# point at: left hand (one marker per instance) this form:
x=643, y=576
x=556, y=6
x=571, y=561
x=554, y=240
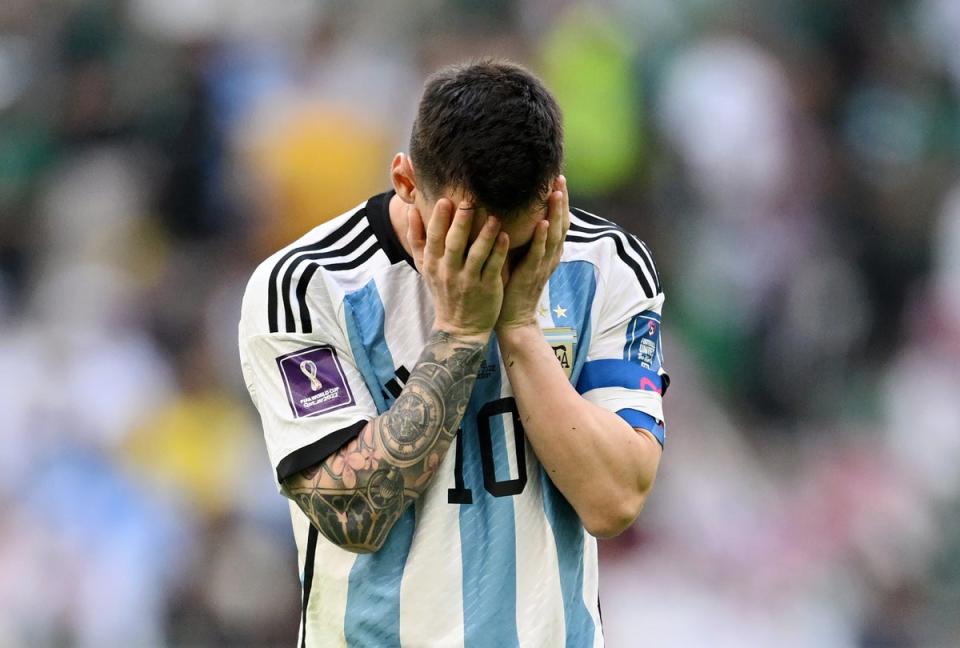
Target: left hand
x=525, y=281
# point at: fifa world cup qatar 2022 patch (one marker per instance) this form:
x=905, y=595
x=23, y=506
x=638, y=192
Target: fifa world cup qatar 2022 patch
x=314, y=381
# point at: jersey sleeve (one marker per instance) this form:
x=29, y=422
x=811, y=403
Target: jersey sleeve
x=310, y=395
x=623, y=371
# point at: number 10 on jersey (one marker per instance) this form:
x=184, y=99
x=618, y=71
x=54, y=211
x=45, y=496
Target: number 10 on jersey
x=459, y=494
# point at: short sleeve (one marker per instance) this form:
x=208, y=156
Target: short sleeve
x=623, y=371
x=311, y=397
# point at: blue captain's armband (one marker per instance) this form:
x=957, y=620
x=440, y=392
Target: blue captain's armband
x=618, y=373
x=644, y=421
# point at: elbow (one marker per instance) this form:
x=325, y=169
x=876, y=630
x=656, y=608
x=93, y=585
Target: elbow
x=615, y=518
x=360, y=529
x=361, y=549
x=358, y=540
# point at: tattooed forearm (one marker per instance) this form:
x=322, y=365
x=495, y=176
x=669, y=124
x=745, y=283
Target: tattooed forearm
x=357, y=494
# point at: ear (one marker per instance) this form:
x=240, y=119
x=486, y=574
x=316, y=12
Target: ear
x=403, y=178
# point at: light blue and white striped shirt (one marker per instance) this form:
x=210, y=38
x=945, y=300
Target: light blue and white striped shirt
x=492, y=555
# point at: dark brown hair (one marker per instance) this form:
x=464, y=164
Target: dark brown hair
x=491, y=128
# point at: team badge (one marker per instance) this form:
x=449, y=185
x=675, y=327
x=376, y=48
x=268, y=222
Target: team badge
x=314, y=381
x=563, y=342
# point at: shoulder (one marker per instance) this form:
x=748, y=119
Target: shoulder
x=618, y=255
x=331, y=259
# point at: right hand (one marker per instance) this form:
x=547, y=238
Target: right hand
x=466, y=284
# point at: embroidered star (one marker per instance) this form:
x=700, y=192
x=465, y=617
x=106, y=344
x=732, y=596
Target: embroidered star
x=542, y=311
x=560, y=311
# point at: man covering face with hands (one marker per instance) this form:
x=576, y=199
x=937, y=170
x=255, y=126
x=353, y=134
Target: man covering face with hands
x=491, y=385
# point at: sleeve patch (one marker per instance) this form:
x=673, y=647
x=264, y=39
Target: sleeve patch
x=314, y=381
x=643, y=341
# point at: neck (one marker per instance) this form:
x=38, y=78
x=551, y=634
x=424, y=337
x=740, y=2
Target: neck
x=398, y=220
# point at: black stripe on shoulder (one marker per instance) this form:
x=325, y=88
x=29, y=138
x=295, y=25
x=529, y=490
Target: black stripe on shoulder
x=631, y=256
x=653, y=264
x=354, y=263
x=364, y=235
x=635, y=244
x=306, y=322
x=648, y=290
x=330, y=239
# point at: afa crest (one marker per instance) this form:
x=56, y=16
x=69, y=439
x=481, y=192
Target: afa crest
x=563, y=342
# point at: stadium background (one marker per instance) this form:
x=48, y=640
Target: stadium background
x=793, y=163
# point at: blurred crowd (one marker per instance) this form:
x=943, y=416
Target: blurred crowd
x=794, y=164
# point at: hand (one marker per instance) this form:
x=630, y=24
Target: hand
x=466, y=284
x=527, y=280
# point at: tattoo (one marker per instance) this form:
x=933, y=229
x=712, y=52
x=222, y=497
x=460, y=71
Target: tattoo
x=356, y=495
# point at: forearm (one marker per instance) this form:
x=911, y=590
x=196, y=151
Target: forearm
x=604, y=467
x=357, y=494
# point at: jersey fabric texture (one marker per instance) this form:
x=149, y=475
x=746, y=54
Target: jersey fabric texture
x=491, y=555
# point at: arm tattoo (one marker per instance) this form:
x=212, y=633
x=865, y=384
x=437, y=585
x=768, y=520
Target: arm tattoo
x=356, y=495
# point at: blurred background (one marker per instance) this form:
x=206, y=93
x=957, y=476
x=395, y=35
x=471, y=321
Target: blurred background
x=793, y=164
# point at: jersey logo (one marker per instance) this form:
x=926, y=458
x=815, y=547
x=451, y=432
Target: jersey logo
x=309, y=369
x=314, y=381
x=562, y=341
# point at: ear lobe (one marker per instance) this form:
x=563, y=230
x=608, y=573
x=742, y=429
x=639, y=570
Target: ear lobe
x=402, y=177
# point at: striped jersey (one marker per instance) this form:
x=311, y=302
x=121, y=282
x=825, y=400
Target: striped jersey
x=492, y=555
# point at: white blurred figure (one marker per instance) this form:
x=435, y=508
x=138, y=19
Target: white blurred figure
x=924, y=380
x=725, y=108
x=727, y=558
x=78, y=374
x=279, y=23
x=16, y=68
x=947, y=259
x=938, y=23
x=922, y=430
x=85, y=304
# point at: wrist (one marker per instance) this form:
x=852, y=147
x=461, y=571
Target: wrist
x=518, y=337
x=461, y=334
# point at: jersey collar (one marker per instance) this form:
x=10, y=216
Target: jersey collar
x=378, y=215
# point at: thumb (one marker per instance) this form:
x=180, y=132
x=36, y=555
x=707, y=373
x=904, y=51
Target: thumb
x=416, y=235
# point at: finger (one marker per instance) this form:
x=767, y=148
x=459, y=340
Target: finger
x=437, y=230
x=416, y=234
x=493, y=268
x=555, y=218
x=538, y=247
x=480, y=249
x=566, y=206
x=458, y=235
